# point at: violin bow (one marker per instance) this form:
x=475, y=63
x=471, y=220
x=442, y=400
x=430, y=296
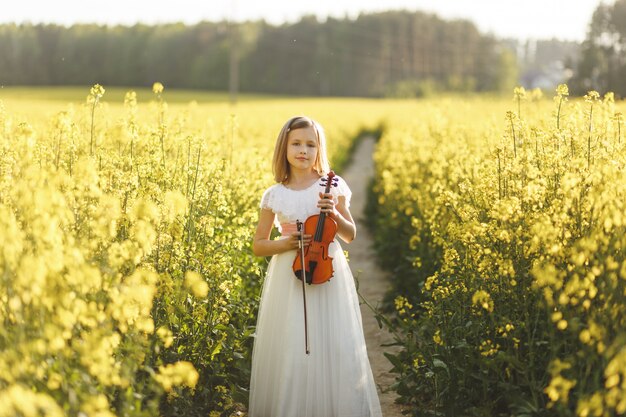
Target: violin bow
x=301, y=247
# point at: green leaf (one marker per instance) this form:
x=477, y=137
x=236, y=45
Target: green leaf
x=438, y=363
x=216, y=350
x=395, y=361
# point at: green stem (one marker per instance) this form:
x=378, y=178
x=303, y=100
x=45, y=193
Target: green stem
x=58, y=155
x=499, y=176
x=162, y=145
x=589, y=138
x=514, y=144
x=71, y=159
x=93, y=112
x=132, y=148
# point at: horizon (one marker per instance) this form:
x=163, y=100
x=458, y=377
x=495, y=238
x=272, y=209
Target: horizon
x=277, y=24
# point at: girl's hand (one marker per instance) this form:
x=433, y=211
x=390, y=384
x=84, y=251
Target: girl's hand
x=327, y=204
x=294, y=240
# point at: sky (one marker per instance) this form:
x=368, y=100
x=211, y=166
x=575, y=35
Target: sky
x=521, y=19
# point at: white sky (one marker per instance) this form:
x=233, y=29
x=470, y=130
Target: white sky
x=523, y=19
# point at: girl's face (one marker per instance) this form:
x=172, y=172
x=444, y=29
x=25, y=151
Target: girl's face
x=302, y=148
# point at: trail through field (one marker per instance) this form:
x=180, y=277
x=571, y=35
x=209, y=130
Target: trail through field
x=373, y=282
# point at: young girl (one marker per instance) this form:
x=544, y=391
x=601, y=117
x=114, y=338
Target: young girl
x=335, y=379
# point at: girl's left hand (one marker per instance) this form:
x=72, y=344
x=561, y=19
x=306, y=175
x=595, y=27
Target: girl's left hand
x=326, y=204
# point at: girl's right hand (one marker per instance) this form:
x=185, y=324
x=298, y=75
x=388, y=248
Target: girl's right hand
x=294, y=240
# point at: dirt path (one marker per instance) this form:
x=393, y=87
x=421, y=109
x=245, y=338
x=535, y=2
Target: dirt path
x=373, y=282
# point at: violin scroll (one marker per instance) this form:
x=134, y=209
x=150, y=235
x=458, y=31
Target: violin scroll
x=332, y=178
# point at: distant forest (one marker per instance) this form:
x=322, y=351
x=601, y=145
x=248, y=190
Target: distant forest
x=602, y=63
x=397, y=53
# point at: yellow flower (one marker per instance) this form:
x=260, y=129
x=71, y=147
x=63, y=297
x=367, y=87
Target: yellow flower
x=97, y=91
x=559, y=388
x=54, y=381
x=437, y=338
x=487, y=348
x=130, y=99
x=175, y=205
x=593, y=406
x=585, y=336
x=18, y=400
x=166, y=336
x=402, y=305
x=157, y=88
x=483, y=300
x=196, y=284
x=177, y=374
x=612, y=381
x=510, y=116
x=132, y=301
x=592, y=96
x=519, y=93
x=98, y=406
x=562, y=90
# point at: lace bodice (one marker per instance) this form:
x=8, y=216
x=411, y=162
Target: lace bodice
x=291, y=205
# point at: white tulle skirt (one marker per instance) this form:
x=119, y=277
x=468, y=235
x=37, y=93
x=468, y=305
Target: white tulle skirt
x=335, y=379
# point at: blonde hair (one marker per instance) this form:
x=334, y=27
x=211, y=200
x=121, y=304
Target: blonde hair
x=280, y=165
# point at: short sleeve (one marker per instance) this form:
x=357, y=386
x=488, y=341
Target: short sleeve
x=342, y=189
x=267, y=199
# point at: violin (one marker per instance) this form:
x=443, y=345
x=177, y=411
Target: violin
x=317, y=265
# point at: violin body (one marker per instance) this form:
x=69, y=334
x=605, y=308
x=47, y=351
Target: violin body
x=317, y=264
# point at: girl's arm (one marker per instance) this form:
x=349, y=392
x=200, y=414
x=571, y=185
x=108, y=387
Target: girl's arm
x=346, y=228
x=264, y=246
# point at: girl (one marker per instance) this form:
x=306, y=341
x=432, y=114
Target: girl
x=335, y=379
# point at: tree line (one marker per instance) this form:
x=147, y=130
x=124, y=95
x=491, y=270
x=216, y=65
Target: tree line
x=378, y=54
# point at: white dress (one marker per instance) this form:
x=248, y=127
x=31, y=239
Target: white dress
x=335, y=379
